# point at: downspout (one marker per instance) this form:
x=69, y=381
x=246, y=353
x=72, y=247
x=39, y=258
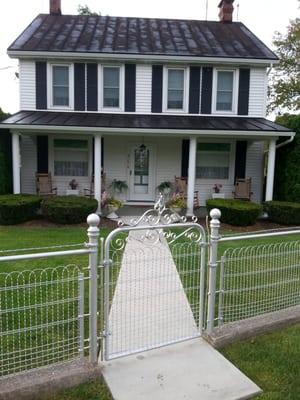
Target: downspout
x=289, y=140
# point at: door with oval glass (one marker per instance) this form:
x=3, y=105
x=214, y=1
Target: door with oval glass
x=141, y=173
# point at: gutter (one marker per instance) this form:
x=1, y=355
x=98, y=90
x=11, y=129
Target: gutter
x=286, y=142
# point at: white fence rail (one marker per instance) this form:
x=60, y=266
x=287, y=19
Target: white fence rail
x=43, y=310
x=259, y=279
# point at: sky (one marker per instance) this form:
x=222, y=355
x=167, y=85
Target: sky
x=262, y=17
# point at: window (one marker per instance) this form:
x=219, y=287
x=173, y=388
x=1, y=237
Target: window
x=175, y=91
x=70, y=157
x=60, y=86
x=213, y=160
x=111, y=87
x=224, y=92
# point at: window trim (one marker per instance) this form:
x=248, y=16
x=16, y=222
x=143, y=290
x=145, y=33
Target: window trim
x=101, y=88
x=50, y=86
x=232, y=155
x=186, y=76
x=234, y=91
x=68, y=137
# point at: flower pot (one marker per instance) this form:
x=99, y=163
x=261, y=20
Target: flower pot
x=112, y=212
x=218, y=195
x=176, y=209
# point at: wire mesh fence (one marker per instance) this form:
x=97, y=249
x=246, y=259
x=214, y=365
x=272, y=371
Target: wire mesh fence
x=40, y=317
x=259, y=279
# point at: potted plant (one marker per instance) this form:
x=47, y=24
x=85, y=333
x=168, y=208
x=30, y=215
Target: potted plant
x=165, y=187
x=217, y=191
x=176, y=203
x=118, y=186
x=73, y=184
x=113, y=205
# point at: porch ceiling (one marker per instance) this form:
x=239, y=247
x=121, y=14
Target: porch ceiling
x=141, y=123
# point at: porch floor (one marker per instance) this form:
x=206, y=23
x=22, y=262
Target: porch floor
x=190, y=370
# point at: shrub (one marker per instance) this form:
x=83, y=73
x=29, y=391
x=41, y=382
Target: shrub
x=17, y=208
x=283, y=212
x=236, y=212
x=68, y=209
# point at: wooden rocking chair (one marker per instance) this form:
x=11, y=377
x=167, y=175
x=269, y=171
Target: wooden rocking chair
x=242, y=189
x=44, y=186
x=181, y=188
x=89, y=192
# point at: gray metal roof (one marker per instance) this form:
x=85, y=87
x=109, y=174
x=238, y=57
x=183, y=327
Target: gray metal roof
x=140, y=121
x=141, y=36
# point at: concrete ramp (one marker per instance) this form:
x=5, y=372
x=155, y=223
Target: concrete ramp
x=191, y=370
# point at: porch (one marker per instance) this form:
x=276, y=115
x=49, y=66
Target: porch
x=143, y=151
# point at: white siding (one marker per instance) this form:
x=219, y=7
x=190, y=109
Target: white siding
x=254, y=168
x=28, y=164
x=143, y=88
x=27, y=85
x=258, y=92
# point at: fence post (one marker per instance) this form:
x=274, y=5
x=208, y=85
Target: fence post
x=93, y=221
x=215, y=215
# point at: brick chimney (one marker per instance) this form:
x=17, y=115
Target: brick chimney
x=226, y=10
x=55, y=7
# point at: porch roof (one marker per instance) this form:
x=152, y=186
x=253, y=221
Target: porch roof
x=150, y=123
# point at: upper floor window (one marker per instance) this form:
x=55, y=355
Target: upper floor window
x=224, y=93
x=175, y=89
x=60, y=86
x=111, y=87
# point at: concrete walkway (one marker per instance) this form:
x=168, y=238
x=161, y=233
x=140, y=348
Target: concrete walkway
x=191, y=370
x=149, y=307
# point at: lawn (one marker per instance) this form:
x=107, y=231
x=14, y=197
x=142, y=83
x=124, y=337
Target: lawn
x=272, y=361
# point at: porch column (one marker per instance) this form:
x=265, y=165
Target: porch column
x=97, y=171
x=271, y=170
x=191, y=177
x=16, y=163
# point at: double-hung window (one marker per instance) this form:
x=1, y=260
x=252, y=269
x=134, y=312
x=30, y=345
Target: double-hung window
x=175, y=89
x=71, y=157
x=60, y=86
x=225, y=85
x=111, y=87
x=213, y=161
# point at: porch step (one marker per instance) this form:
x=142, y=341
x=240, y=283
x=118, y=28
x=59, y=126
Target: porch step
x=191, y=370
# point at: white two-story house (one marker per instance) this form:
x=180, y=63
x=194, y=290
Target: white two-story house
x=142, y=100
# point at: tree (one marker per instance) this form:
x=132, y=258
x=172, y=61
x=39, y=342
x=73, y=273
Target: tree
x=287, y=171
x=85, y=10
x=284, y=91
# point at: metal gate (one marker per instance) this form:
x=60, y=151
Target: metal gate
x=153, y=283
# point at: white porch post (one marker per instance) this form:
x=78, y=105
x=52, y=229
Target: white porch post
x=271, y=170
x=97, y=171
x=16, y=163
x=191, y=177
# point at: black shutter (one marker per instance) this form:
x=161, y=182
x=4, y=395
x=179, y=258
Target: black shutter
x=194, y=95
x=130, y=77
x=79, y=86
x=42, y=154
x=185, y=152
x=157, y=88
x=92, y=87
x=206, y=91
x=41, y=85
x=240, y=160
x=243, y=102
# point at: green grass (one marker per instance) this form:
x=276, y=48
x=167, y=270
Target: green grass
x=272, y=361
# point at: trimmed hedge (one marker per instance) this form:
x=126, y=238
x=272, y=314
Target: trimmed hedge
x=283, y=212
x=17, y=208
x=236, y=212
x=68, y=209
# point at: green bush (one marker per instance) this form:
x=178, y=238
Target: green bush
x=283, y=212
x=68, y=209
x=236, y=212
x=17, y=208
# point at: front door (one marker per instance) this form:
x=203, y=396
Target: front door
x=141, y=173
